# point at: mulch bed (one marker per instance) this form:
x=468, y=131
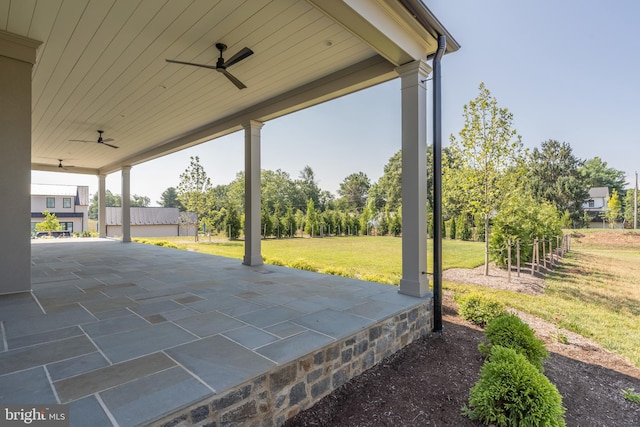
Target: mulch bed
x=427, y=383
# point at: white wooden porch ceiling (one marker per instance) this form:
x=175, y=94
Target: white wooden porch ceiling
x=102, y=66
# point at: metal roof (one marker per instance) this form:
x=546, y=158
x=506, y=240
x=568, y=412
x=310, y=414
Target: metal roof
x=144, y=216
x=53, y=190
x=597, y=192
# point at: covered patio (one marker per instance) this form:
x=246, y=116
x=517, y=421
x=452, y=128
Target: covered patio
x=143, y=335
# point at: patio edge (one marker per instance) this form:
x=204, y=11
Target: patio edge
x=272, y=398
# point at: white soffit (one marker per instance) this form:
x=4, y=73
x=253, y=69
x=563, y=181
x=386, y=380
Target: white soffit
x=102, y=66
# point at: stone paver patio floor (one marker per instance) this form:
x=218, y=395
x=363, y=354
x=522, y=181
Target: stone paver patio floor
x=129, y=333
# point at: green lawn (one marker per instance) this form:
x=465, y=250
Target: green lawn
x=595, y=292
x=371, y=258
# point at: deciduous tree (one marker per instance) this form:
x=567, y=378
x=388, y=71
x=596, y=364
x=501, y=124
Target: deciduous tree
x=193, y=190
x=139, y=201
x=614, y=206
x=596, y=173
x=110, y=201
x=49, y=223
x=486, y=160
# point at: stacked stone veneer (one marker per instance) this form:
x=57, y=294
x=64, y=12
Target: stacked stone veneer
x=272, y=398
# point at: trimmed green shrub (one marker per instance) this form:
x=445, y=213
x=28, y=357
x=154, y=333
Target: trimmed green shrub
x=511, y=332
x=512, y=392
x=479, y=308
x=302, y=264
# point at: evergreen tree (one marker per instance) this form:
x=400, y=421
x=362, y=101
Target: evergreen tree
x=365, y=217
x=266, y=223
x=465, y=233
x=288, y=222
x=311, y=226
x=629, y=206
x=300, y=220
x=232, y=223
x=383, y=223
x=169, y=199
x=453, y=231
x=553, y=174
x=354, y=189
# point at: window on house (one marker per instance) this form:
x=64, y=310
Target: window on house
x=591, y=203
x=66, y=202
x=51, y=202
x=67, y=226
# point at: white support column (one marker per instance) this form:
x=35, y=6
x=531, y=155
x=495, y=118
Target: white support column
x=414, y=280
x=126, y=204
x=17, y=56
x=102, y=206
x=252, y=199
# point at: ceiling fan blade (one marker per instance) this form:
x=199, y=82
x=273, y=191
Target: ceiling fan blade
x=235, y=81
x=108, y=140
x=108, y=145
x=80, y=140
x=211, y=67
x=244, y=53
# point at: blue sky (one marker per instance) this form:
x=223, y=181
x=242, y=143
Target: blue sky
x=567, y=70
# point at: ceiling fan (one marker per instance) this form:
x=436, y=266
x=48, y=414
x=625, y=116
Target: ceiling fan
x=99, y=141
x=222, y=65
x=63, y=167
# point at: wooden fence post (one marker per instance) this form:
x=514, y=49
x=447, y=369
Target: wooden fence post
x=518, y=255
x=544, y=255
x=533, y=254
x=509, y=260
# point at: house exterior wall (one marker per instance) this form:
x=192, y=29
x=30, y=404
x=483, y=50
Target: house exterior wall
x=599, y=203
x=71, y=208
x=17, y=54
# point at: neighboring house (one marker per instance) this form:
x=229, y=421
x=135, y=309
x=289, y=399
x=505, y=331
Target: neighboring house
x=151, y=222
x=596, y=204
x=69, y=203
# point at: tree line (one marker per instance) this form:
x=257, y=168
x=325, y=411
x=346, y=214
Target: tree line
x=490, y=182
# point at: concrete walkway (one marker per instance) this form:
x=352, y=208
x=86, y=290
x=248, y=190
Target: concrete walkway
x=130, y=333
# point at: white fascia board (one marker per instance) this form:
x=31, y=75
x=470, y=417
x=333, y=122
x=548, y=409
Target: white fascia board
x=387, y=29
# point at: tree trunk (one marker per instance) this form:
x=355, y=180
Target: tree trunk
x=486, y=245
